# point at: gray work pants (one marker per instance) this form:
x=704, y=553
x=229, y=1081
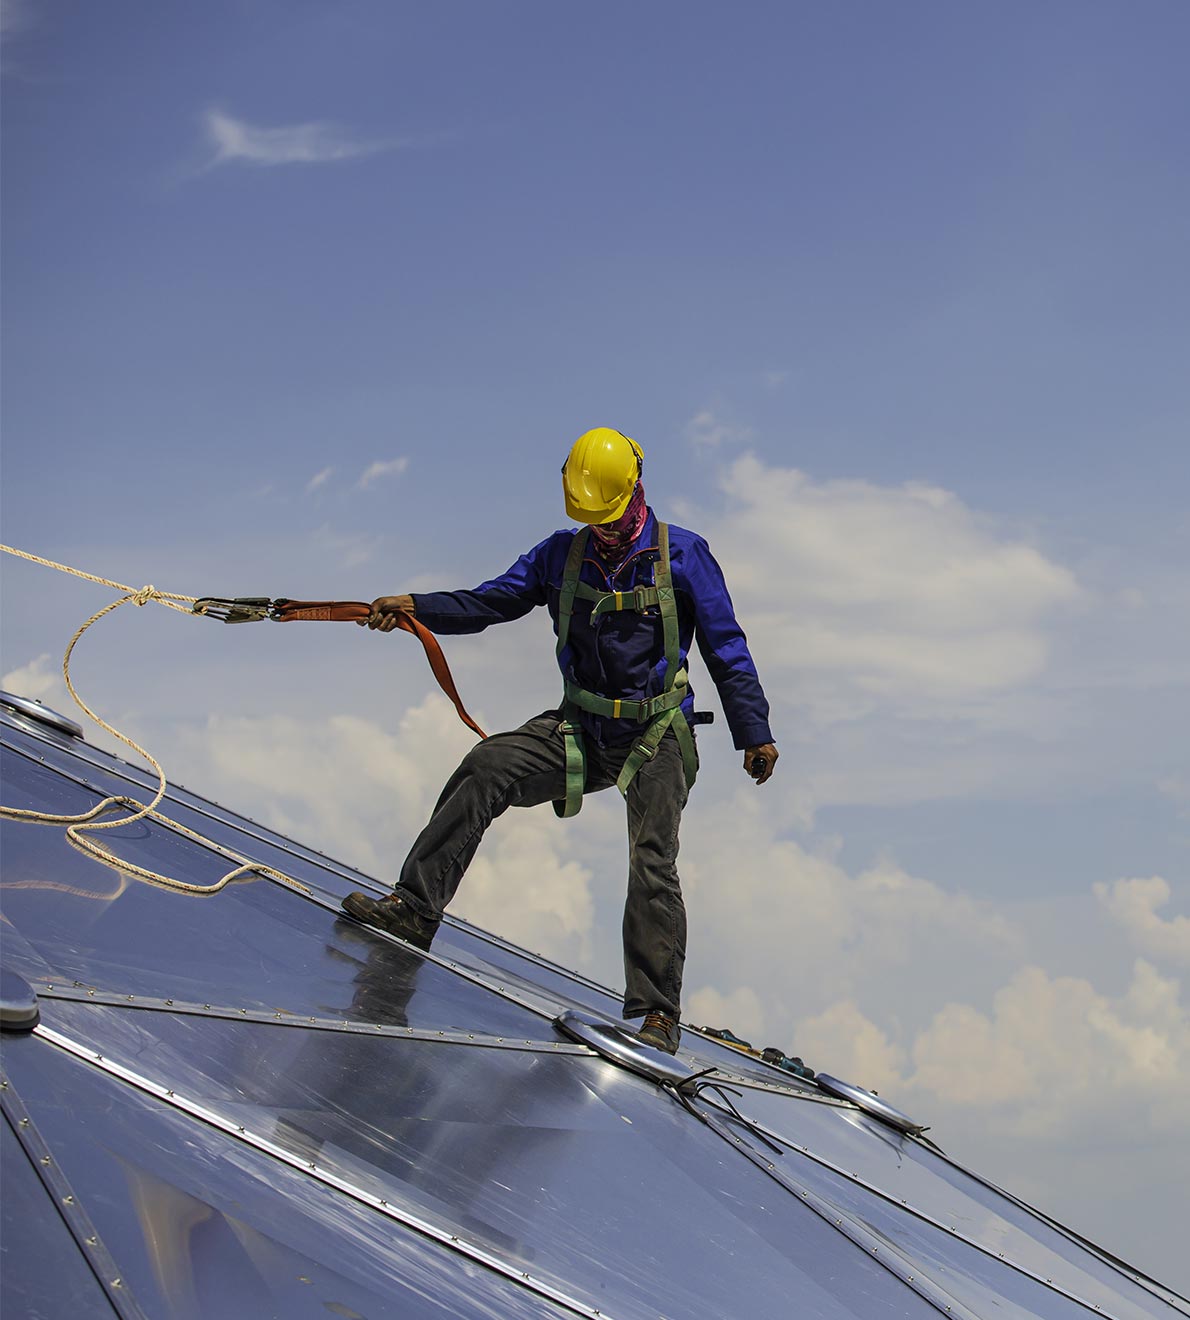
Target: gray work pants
x=526, y=767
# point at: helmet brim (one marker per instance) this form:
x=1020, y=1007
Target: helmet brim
x=597, y=517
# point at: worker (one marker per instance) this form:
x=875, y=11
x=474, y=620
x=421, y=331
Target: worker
x=627, y=595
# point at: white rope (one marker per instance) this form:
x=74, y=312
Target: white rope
x=86, y=822
x=141, y=597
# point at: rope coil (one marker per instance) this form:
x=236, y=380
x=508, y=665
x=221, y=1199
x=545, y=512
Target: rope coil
x=85, y=822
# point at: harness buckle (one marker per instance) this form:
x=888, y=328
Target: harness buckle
x=639, y=604
x=648, y=708
x=240, y=609
x=642, y=748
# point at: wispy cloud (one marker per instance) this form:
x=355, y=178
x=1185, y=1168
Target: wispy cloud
x=318, y=479
x=389, y=467
x=709, y=430
x=313, y=143
x=347, y=549
x=39, y=680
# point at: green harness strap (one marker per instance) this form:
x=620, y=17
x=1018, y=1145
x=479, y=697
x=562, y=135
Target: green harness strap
x=676, y=682
x=661, y=712
x=570, y=728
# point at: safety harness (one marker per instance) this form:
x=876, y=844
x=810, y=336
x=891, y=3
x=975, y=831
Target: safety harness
x=659, y=713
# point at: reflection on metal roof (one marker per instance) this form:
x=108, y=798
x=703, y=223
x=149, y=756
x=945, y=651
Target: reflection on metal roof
x=34, y=710
x=248, y=1105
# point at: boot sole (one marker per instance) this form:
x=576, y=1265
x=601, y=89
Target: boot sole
x=664, y=1046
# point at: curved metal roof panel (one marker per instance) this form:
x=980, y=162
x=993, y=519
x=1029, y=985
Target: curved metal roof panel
x=261, y=1107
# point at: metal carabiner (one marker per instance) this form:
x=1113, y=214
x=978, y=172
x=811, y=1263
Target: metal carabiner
x=241, y=609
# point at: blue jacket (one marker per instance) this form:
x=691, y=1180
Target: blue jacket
x=623, y=654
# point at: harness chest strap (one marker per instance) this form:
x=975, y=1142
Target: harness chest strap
x=571, y=729
x=660, y=712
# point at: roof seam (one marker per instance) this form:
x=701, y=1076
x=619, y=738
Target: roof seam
x=81, y=994
x=57, y=1187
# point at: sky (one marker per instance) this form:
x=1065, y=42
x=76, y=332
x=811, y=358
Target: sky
x=311, y=299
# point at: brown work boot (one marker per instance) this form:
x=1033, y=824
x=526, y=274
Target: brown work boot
x=391, y=914
x=660, y=1031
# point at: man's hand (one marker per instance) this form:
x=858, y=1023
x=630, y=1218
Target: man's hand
x=385, y=610
x=759, y=761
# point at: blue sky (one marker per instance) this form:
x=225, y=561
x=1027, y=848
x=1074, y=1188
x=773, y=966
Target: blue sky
x=311, y=299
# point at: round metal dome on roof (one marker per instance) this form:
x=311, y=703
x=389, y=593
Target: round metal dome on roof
x=621, y=1046
x=870, y=1103
x=18, y=1003
x=34, y=710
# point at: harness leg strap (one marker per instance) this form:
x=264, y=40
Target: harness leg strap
x=576, y=768
x=646, y=748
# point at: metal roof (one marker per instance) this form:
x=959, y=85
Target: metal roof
x=245, y=1104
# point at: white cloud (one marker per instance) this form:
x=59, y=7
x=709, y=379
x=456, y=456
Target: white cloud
x=708, y=430
x=311, y=143
x=318, y=479
x=1056, y=1055
x=800, y=932
x=363, y=794
x=934, y=998
x=741, y=1010
x=390, y=467
x=520, y=887
x=850, y=1046
x=899, y=593
x=357, y=790
x=1134, y=905
x=39, y=680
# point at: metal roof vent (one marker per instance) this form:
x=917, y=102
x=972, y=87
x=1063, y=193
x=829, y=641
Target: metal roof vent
x=870, y=1103
x=617, y=1044
x=34, y=710
x=18, y=1003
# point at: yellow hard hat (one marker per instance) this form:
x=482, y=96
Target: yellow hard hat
x=600, y=474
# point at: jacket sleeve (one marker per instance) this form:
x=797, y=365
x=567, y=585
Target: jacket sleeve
x=724, y=648
x=510, y=596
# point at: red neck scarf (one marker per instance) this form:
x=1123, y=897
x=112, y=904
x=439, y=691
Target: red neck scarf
x=613, y=540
